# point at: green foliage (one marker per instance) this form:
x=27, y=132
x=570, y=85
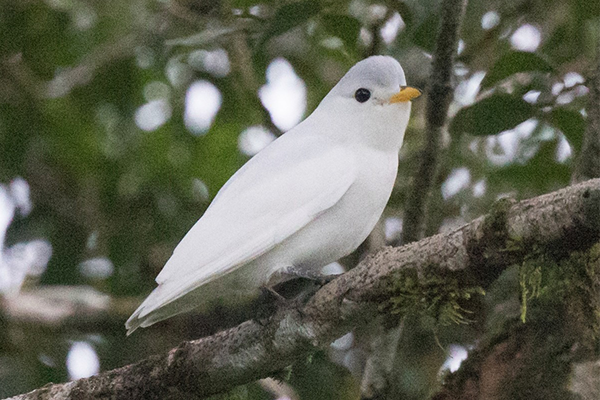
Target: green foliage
x=571, y=123
x=513, y=62
x=422, y=36
x=290, y=16
x=322, y=379
x=343, y=26
x=492, y=115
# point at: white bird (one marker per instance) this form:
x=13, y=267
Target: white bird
x=306, y=200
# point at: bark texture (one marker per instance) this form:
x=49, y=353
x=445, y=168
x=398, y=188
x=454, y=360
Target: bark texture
x=588, y=162
x=439, y=96
x=471, y=256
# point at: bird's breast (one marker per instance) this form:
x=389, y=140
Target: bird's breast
x=342, y=228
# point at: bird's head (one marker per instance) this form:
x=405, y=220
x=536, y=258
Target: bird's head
x=372, y=101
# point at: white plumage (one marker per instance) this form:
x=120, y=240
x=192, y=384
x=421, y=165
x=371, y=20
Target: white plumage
x=308, y=199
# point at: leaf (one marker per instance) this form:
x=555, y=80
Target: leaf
x=512, y=63
x=405, y=12
x=492, y=115
x=290, y=16
x=425, y=34
x=540, y=174
x=343, y=26
x=571, y=123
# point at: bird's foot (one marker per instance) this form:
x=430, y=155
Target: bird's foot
x=296, y=286
x=269, y=302
x=270, y=294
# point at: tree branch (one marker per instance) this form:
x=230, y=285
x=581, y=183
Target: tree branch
x=438, y=100
x=473, y=255
x=588, y=163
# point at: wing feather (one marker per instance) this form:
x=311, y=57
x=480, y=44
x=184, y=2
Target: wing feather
x=272, y=197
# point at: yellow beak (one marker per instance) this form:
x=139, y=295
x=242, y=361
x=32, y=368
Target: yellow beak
x=406, y=93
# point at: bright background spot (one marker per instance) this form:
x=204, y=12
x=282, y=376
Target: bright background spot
x=96, y=268
x=563, y=151
x=503, y=148
x=456, y=355
x=23, y=259
x=466, y=92
x=459, y=179
x=393, y=229
x=490, y=20
x=334, y=268
x=526, y=38
x=572, y=78
x=82, y=361
x=19, y=190
x=390, y=29
x=215, y=62
x=202, y=102
x=343, y=343
x=479, y=188
x=153, y=115
x=254, y=139
x=284, y=95
x=532, y=96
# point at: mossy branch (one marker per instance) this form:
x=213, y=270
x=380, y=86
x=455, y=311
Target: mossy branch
x=472, y=256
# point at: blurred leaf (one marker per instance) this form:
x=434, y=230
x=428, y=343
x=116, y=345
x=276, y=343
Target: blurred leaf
x=426, y=33
x=405, y=12
x=319, y=378
x=571, y=123
x=564, y=43
x=345, y=27
x=513, y=62
x=586, y=9
x=492, y=115
x=541, y=173
x=290, y=16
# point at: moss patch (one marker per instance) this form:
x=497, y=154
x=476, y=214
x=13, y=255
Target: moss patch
x=434, y=293
x=570, y=286
x=530, y=281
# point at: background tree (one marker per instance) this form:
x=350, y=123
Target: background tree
x=119, y=121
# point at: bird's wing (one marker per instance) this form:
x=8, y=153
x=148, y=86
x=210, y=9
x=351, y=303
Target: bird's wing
x=273, y=196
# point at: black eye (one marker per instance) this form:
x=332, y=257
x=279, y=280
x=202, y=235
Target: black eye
x=362, y=95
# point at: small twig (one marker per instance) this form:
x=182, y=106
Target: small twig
x=439, y=96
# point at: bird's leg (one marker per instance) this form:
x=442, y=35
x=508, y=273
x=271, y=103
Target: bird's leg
x=290, y=287
x=310, y=274
x=270, y=293
x=267, y=304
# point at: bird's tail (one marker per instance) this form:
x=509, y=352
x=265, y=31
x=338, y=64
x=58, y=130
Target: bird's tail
x=151, y=311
